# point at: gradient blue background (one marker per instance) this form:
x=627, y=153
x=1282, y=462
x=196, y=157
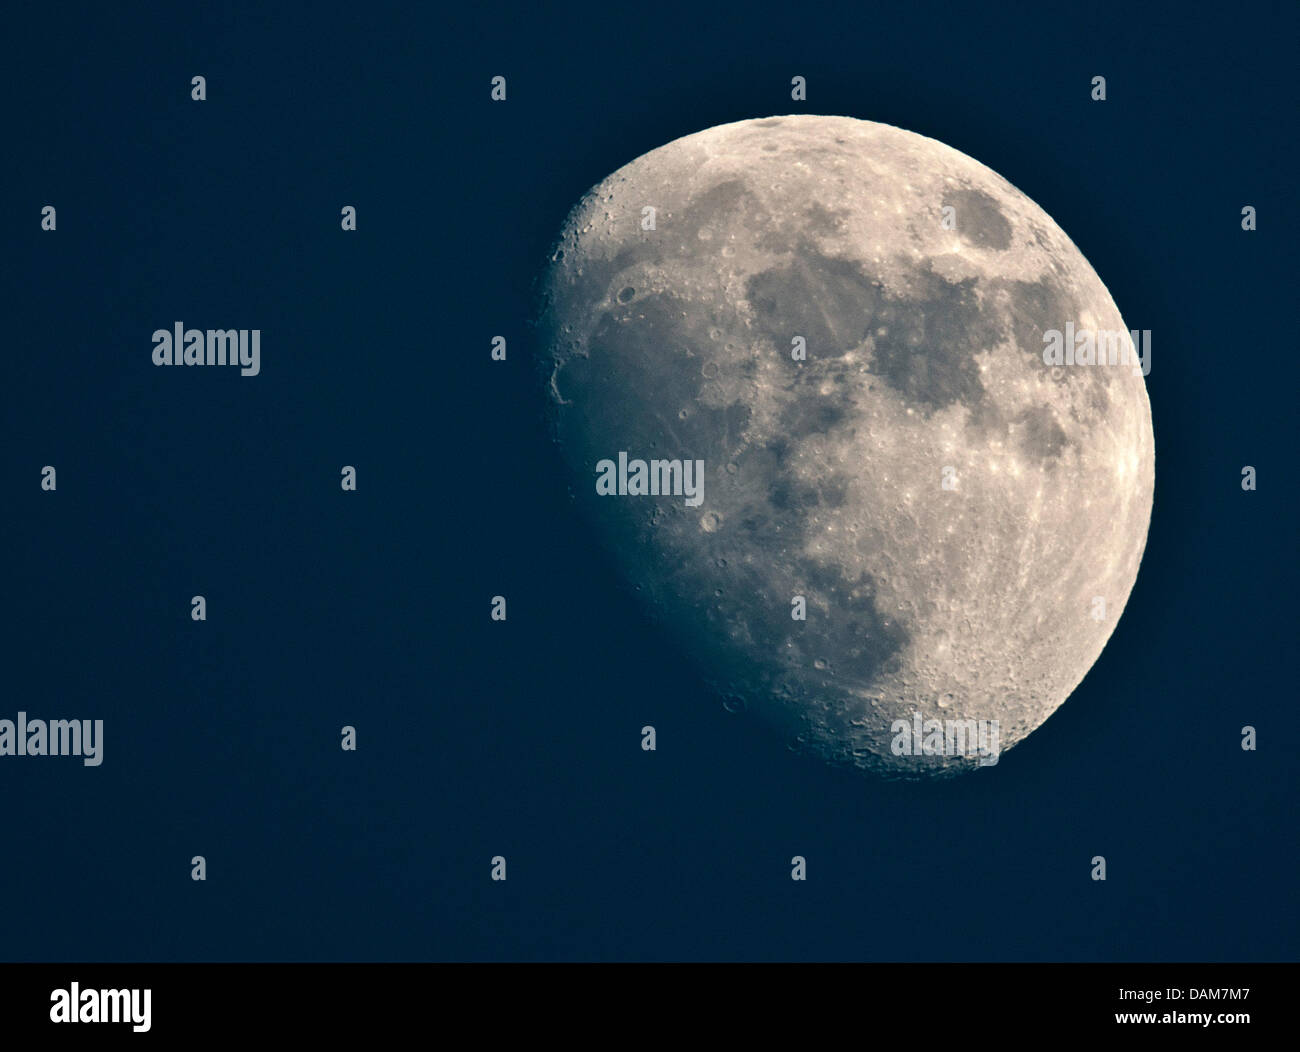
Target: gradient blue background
x=371, y=609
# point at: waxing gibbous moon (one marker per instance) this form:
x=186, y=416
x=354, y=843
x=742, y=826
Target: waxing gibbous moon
x=962, y=520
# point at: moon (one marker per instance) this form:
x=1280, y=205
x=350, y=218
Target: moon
x=960, y=516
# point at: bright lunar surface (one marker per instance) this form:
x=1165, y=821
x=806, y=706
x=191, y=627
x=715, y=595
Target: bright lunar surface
x=962, y=520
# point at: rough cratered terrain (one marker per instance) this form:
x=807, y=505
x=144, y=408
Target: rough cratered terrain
x=823, y=477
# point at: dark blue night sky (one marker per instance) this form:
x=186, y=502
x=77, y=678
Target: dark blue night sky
x=371, y=608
